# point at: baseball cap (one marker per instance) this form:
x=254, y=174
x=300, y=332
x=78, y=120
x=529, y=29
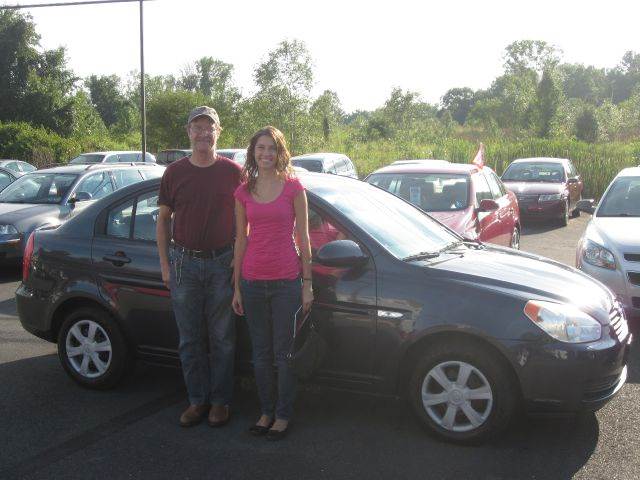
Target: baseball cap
x=204, y=111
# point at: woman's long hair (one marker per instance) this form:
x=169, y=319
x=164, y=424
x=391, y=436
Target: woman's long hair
x=283, y=165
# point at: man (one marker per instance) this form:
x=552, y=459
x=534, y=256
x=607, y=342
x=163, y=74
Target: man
x=196, y=194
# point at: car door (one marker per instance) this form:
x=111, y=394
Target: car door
x=489, y=224
x=344, y=307
x=505, y=212
x=125, y=259
x=575, y=184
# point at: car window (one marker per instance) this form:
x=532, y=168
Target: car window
x=13, y=166
x=481, y=187
x=97, y=185
x=126, y=177
x=87, y=158
x=322, y=230
x=26, y=167
x=240, y=158
x=119, y=220
x=148, y=173
x=5, y=179
x=494, y=185
x=129, y=157
x=149, y=158
x=113, y=158
x=534, y=172
x=38, y=188
x=311, y=164
x=622, y=199
x=146, y=217
x=432, y=192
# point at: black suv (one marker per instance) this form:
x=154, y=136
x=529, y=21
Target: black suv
x=468, y=331
x=45, y=198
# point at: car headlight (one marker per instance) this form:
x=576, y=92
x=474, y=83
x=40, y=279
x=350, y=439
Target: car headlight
x=598, y=256
x=563, y=322
x=7, y=229
x=548, y=198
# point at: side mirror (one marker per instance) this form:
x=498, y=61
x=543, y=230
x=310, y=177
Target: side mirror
x=488, y=205
x=586, y=206
x=80, y=197
x=341, y=253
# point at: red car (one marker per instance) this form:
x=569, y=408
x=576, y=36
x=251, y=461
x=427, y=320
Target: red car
x=470, y=200
x=547, y=188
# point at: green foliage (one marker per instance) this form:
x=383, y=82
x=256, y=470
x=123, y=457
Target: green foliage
x=587, y=125
x=458, y=102
x=549, y=97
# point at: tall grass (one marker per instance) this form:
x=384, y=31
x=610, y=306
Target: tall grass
x=597, y=163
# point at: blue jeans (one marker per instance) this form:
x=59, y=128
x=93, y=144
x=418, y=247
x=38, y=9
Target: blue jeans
x=269, y=307
x=201, y=294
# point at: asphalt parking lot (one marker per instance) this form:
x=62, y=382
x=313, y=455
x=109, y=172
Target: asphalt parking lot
x=51, y=428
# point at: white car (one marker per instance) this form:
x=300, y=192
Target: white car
x=119, y=156
x=609, y=250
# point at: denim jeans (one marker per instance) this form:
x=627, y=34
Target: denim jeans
x=269, y=307
x=201, y=295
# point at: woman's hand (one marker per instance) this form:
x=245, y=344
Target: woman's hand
x=307, y=296
x=236, y=303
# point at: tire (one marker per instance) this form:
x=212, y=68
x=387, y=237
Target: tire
x=515, y=238
x=564, y=219
x=92, y=349
x=575, y=213
x=446, y=411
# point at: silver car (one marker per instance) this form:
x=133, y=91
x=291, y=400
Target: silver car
x=609, y=250
x=335, y=163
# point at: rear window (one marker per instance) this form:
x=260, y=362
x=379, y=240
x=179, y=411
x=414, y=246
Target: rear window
x=432, y=192
x=310, y=164
x=86, y=159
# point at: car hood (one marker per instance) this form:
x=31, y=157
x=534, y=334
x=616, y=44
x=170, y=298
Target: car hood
x=21, y=214
x=539, y=188
x=526, y=276
x=617, y=233
x=456, y=220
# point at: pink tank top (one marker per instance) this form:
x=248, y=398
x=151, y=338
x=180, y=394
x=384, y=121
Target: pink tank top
x=271, y=252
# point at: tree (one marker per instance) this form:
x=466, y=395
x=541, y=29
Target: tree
x=549, y=96
x=108, y=99
x=458, y=102
x=533, y=55
x=586, y=83
x=327, y=112
x=587, y=126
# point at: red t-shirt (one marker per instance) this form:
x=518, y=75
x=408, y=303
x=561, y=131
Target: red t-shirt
x=202, y=201
x=271, y=252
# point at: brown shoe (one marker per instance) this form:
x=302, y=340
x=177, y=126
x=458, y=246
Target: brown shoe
x=219, y=415
x=193, y=415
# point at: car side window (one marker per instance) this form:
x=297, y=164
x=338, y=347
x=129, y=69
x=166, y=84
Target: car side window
x=126, y=177
x=5, y=179
x=26, y=167
x=146, y=217
x=129, y=157
x=322, y=230
x=112, y=159
x=98, y=185
x=119, y=220
x=148, y=173
x=494, y=185
x=481, y=187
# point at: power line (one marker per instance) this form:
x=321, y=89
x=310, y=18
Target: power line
x=66, y=4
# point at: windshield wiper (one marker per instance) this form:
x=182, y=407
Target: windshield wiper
x=434, y=254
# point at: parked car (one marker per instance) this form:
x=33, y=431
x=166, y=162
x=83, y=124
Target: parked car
x=238, y=155
x=112, y=157
x=335, y=163
x=609, y=249
x=165, y=157
x=47, y=197
x=471, y=201
x=8, y=176
x=469, y=332
x=17, y=166
x=547, y=188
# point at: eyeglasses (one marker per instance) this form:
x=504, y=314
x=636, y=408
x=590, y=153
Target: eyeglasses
x=196, y=129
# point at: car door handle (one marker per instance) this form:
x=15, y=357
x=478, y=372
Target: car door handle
x=118, y=259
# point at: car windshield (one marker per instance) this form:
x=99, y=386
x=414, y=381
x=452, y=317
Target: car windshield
x=622, y=199
x=309, y=164
x=38, y=188
x=400, y=228
x=432, y=192
x=534, y=172
x=87, y=158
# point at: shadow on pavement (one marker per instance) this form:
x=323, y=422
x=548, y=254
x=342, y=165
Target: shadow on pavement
x=533, y=227
x=53, y=428
x=10, y=271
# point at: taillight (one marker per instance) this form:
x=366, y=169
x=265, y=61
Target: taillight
x=26, y=259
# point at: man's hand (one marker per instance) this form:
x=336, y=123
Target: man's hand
x=166, y=274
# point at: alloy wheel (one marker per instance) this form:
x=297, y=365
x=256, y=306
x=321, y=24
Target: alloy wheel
x=88, y=348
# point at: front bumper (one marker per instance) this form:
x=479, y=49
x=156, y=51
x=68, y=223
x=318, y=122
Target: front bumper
x=536, y=209
x=563, y=379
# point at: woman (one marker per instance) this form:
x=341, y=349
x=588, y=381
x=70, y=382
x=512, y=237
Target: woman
x=272, y=282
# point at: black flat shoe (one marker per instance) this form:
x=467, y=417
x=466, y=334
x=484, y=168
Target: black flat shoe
x=277, y=435
x=259, y=430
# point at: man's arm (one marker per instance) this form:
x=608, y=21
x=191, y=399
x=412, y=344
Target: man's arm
x=163, y=236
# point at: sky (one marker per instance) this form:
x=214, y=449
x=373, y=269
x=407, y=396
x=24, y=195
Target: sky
x=360, y=49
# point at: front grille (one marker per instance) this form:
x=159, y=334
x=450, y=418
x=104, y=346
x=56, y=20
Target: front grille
x=618, y=324
x=632, y=257
x=634, y=277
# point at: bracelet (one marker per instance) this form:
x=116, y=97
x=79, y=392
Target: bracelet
x=306, y=279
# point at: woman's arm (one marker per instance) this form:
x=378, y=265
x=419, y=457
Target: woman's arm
x=238, y=254
x=302, y=230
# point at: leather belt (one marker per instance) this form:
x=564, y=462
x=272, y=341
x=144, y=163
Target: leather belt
x=202, y=253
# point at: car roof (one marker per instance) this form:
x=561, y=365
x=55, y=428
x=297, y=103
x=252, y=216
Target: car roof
x=111, y=152
x=231, y=150
x=95, y=166
x=429, y=166
x=318, y=156
x=629, y=172
x=541, y=160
